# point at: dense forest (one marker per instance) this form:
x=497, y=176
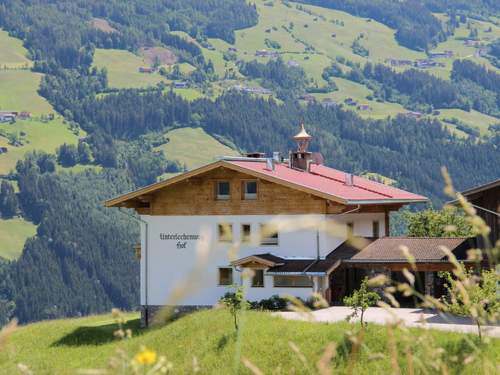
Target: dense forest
x=80, y=261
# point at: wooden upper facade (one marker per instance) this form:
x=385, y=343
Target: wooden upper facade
x=195, y=193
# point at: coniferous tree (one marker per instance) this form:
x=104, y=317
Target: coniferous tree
x=8, y=200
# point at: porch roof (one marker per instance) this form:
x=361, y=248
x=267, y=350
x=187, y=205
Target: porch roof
x=422, y=249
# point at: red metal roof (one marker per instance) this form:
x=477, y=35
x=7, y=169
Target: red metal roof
x=332, y=182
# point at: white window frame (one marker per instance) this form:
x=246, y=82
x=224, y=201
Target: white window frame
x=220, y=230
x=244, y=240
x=268, y=241
x=222, y=197
x=250, y=196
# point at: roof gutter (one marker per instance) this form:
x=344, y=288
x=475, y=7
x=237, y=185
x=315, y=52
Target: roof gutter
x=296, y=273
x=386, y=201
x=402, y=261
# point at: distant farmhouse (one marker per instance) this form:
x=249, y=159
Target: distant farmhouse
x=252, y=90
x=328, y=102
x=421, y=63
x=8, y=116
x=398, y=62
x=350, y=101
x=427, y=63
x=180, y=85
x=146, y=69
x=293, y=64
x=445, y=54
x=413, y=114
x=266, y=53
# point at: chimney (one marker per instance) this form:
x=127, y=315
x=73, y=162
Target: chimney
x=349, y=179
x=270, y=164
x=276, y=157
x=301, y=158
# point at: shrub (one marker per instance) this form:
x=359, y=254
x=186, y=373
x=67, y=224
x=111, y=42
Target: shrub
x=274, y=303
x=360, y=300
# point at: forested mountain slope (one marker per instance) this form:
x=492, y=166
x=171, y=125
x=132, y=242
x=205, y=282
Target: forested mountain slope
x=206, y=68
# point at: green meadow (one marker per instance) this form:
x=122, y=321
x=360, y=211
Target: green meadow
x=123, y=69
x=206, y=343
x=472, y=118
x=193, y=147
x=35, y=135
x=13, y=234
x=18, y=92
x=12, y=52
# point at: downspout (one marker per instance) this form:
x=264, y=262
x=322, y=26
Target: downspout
x=146, y=243
x=317, y=244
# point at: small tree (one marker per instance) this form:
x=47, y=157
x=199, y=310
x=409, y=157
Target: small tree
x=235, y=303
x=477, y=298
x=360, y=300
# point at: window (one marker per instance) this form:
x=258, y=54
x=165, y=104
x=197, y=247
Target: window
x=376, y=229
x=225, y=232
x=222, y=190
x=268, y=235
x=225, y=276
x=249, y=190
x=258, y=279
x=292, y=282
x=350, y=230
x=245, y=233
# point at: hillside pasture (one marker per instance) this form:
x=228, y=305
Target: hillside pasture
x=38, y=135
x=319, y=30
x=13, y=234
x=207, y=341
x=359, y=93
x=472, y=118
x=18, y=92
x=193, y=147
x=123, y=69
x=12, y=53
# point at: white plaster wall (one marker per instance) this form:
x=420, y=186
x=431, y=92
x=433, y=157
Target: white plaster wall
x=256, y=294
x=188, y=276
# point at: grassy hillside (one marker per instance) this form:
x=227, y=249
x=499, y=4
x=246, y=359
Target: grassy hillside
x=18, y=92
x=12, y=52
x=208, y=338
x=13, y=234
x=193, y=147
x=314, y=37
x=34, y=134
x=123, y=69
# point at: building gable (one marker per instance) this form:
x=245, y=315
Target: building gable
x=197, y=196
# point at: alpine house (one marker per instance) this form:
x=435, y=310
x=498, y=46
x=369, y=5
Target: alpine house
x=300, y=226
